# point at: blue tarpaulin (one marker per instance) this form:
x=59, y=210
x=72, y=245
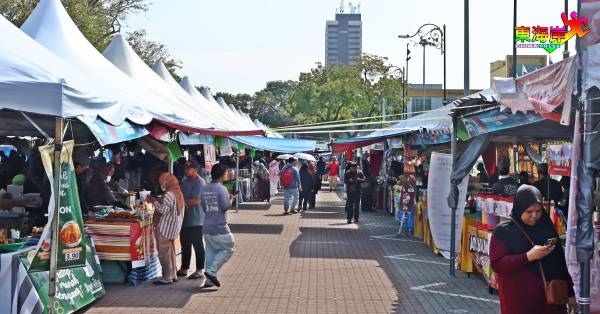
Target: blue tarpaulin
x=107, y=133
x=278, y=145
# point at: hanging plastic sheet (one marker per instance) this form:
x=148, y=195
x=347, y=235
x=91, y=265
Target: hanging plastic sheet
x=464, y=164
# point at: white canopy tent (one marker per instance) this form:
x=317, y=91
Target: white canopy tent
x=123, y=57
x=50, y=25
x=34, y=80
x=201, y=103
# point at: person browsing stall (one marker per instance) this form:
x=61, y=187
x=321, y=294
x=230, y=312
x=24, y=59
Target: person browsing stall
x=99, y=192
x=525, y=253
x=551, y=189
x=506, y=185
x=193, y=220
x=169, y=212
x=290, y=182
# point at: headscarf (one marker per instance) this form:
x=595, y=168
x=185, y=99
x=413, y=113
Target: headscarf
x=172, y=185
x=512, y=237
x=261, y=170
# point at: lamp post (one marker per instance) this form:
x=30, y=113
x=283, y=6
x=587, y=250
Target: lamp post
x=435, y=36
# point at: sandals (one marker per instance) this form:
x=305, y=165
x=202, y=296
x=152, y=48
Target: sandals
x=163, y=281
x=195, y=275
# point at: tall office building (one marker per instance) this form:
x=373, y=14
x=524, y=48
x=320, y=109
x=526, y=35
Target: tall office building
x=343, y=37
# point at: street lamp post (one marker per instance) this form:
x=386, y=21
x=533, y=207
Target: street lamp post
x=437, y=36
x=431, y=35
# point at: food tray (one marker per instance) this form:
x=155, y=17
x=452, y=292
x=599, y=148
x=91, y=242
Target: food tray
x=11, y=247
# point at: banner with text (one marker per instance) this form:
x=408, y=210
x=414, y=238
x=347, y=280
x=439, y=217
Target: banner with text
x=438, y=211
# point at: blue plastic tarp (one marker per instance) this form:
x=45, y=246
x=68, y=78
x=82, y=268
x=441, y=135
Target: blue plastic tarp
x=278, y=145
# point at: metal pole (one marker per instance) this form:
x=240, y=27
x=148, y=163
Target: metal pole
x=467, y=89
x=566, y=51
x=58, y=126
x=423, y=100
x=453, y=144
x=444, y=52
x=385, y=183
x=237, y=181
x=406, y=85
x=514, y=46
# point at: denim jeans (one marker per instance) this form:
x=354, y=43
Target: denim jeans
x=218, y=250
x=287, y=194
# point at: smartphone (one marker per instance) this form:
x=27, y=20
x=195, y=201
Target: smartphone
x=551, y=241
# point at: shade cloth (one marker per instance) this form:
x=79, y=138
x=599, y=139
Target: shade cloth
x=278, y=145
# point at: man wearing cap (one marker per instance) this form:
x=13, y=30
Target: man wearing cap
x=506, y=185
x=193, y=221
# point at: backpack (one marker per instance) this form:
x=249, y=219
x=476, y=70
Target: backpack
x=287, y=177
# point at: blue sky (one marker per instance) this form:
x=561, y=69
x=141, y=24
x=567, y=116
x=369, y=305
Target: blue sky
x=237, y=46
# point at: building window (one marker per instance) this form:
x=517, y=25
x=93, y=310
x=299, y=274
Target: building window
x=420, y=104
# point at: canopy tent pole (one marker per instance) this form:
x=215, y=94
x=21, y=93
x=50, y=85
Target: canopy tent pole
x=455, y=204
x=385, y=181
x=237, y=181
x=58, y=126
x=516, y=160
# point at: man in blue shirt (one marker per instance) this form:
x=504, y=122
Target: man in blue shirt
x=290, y=181
x=216, y=201
x=193, y=219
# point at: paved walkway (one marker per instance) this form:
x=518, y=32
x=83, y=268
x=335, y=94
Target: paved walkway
x=314, y=263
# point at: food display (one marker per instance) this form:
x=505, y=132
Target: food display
x=37, y=230
x=70, y=234
x=122, y=215
x=10, y=245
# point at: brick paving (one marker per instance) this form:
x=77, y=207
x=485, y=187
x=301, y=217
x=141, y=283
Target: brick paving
x=314, y=262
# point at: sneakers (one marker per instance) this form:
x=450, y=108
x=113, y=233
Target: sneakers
x=212, y=279
x=182, y=273
x=349, y=221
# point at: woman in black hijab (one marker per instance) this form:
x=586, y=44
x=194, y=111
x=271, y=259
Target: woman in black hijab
x=515, y=259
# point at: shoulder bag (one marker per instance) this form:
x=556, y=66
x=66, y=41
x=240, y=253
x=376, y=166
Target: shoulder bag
x=557, y=291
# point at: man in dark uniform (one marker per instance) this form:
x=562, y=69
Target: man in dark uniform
x=551, y=189
x=353, y=179
x=506, y=185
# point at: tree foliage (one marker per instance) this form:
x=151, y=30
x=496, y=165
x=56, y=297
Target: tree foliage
x=98, y=20
x=334, y=92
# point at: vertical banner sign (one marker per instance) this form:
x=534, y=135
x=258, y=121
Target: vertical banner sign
x=559, y=159
x=71, y=242
x=210, y=153
x=438, y=211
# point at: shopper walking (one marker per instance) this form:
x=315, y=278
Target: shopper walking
x=316, y=186
x=273, y=176
x=168, y=219
x=193, y=220
x=525, y=254
x=321, y=169
x=353, y=179
x=290, y=182
x=334, y=172
x=307, y=182
x=216, y=201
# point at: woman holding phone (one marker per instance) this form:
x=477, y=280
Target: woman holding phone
x=525, y=253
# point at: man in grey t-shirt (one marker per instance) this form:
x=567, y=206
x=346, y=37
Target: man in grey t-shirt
x=193, y=219
x=216, y=201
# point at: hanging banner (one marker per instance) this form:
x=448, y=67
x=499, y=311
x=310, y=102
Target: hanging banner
x=71, y=238
x=110, y=134
x=210, y=153
x=497, y=120
x=174, y=150
x=438, y=211
x=559, y=159
x=409, y=160
x=479, y=247
x=195, y=139
x=75, y=287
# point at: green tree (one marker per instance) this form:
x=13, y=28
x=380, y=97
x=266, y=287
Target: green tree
x=334, y=92
x=150, y=51
x=98, y=20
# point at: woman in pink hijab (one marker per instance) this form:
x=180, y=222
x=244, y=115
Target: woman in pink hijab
x=274, y=176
